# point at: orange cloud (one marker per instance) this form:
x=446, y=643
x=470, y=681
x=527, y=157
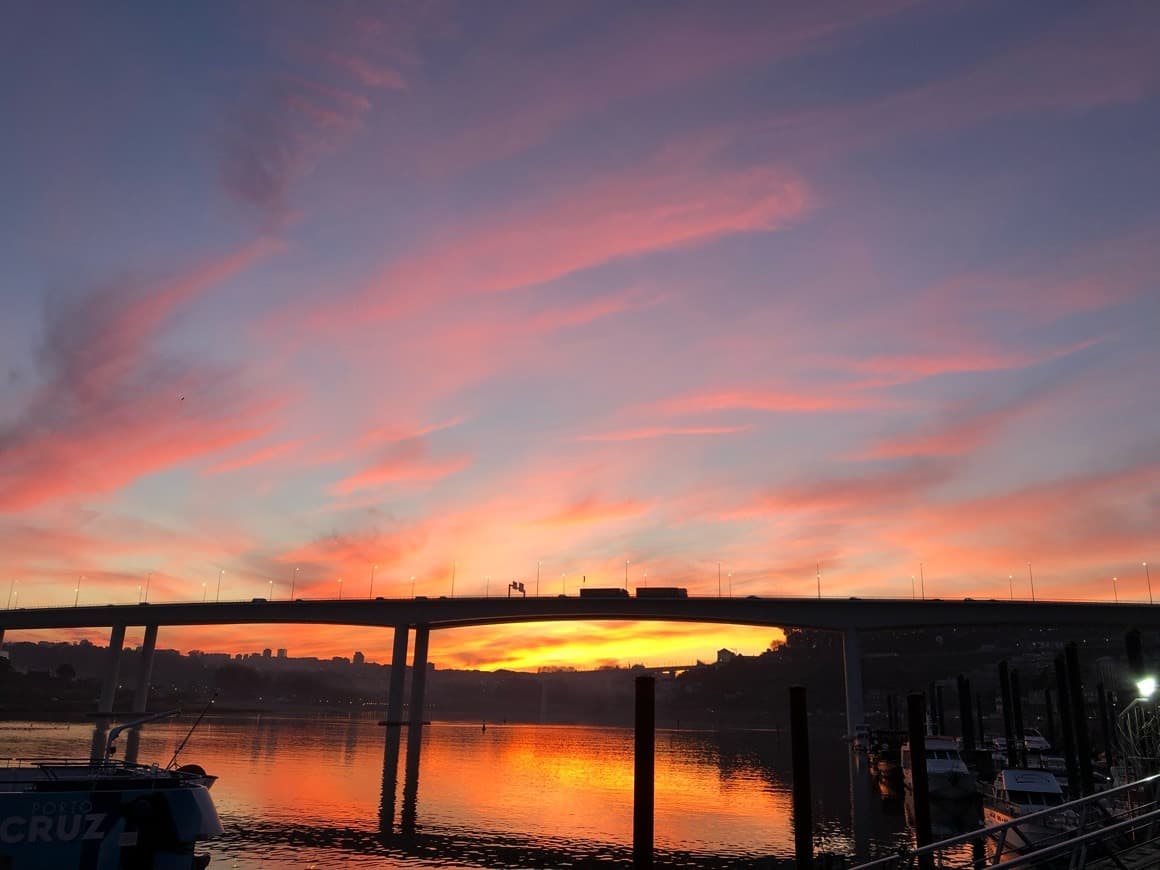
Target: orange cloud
x=593, y=510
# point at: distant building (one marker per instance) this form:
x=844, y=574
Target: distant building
x=359, y=658
x=282, y=652
x=725, y=655
x=266, y=653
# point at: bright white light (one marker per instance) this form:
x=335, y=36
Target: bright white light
x=1146, y=687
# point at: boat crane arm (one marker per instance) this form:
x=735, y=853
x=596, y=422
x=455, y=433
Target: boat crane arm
x=116, y=732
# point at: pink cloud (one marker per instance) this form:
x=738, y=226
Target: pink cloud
x=784, y=401
x=260, y=456
x=367, y=72
x=593, y=510
x=406, y=461
x=676, y=200
x=652, y=432
x=112, y=408
x=530, y=93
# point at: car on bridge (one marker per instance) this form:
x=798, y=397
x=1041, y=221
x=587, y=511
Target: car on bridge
x=662, y=592
x=603, y=592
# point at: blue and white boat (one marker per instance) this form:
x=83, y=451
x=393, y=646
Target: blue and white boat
x=103, y=815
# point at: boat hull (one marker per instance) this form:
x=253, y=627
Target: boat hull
x=1020, y=836
x=67, y=824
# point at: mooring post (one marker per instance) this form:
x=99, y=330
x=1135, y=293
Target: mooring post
x=1049, y=711
x=966, y=721
x=1065, y=725
x=799, y=736
x=1017, y=716
x=979, y=719
x=643, y=782
x=1083, y=749
x=1105, y=725
x=916, y=723
x=852, y=659
x=1008, y=723
x=141, y=692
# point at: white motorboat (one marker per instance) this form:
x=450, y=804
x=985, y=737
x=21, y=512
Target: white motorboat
x=1034, y=741
x=946, y=772
x=103, y=814
x=1018, y=793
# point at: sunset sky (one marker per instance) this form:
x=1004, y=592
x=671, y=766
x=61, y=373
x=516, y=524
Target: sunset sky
x=291, y=290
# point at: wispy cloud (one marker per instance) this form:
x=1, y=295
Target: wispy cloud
x=405, y=461
x=675, y=200
x=595, y=510
x=782, y=401
x=112, y=407
x=651, y=432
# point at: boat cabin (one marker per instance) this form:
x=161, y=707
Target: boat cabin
x=1030, y=789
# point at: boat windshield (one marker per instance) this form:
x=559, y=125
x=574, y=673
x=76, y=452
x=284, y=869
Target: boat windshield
x=1034, y=798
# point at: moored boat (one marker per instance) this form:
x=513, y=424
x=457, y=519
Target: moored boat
x=947, y=775
x=1018, y=793
x=103, y=815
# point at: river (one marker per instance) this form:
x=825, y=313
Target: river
x=307, y=792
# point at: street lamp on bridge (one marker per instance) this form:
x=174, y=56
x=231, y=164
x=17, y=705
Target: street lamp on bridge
x=221, y=573
x=371, y=591
x=340, y=589
x=77, y=597
x=1148, y=575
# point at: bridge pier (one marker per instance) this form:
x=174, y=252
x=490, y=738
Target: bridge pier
x=108, y=691
x=415, y=729
x=418, y=677
x=852, y=659
x=141, y=693
x=398, y=676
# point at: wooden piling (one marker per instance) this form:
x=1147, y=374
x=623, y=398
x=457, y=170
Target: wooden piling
x=1083, y=749
x=803, y=823
x=966, y=720
x=1017, y=715
x=644, y=774
x=1008, y=718
x=1065, y=726
x=920, y=787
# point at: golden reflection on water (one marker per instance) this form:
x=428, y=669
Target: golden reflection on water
x=284, y=779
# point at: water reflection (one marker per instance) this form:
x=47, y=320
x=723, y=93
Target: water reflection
x=390, y=780
x=325, y=790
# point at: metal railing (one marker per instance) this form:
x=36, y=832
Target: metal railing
x=1103, y=827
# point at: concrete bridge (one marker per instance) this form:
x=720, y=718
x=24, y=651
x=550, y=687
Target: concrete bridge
x=850, y=616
